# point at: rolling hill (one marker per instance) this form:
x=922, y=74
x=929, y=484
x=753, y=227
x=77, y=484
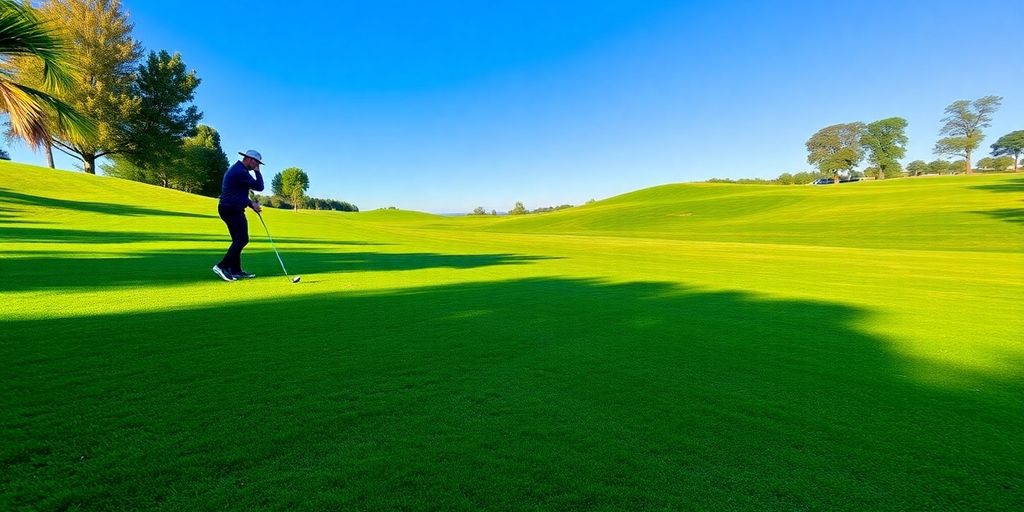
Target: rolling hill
x=689, y=346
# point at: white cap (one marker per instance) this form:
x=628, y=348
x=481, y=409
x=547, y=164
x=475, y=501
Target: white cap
x=255, y=155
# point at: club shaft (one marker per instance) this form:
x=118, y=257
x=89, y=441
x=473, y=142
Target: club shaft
x=279, y=260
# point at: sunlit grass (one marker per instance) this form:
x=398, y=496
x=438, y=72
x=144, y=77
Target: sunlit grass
x=684, y=347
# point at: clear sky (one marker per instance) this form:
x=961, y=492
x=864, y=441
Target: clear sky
x=443, y=106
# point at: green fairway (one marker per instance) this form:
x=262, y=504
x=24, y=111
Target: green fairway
x=686, y=347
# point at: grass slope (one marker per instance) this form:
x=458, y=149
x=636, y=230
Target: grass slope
x=689, y=346
x=920, y=213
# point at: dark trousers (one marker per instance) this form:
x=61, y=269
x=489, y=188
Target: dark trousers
x=238, y=226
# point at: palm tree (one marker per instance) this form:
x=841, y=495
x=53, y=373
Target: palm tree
x=31, y=110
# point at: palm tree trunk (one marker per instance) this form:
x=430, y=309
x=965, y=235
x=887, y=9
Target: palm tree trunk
x=89, y=164
x=49, y=154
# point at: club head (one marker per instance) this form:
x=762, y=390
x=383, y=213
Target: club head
x=296, y=279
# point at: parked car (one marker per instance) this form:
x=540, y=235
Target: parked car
x=822, y=181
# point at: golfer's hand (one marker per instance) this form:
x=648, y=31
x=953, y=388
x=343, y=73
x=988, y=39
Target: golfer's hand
x=257, y=206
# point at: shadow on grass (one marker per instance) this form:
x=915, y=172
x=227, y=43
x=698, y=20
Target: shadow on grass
x=1005, y=214
x=40, y=270
x=12, y=197
x=532, y=394
x=84, y=236
x=1014, y=185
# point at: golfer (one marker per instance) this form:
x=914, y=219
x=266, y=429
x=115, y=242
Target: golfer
x=234, y=199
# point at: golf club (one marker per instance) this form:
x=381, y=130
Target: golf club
x=293, y=279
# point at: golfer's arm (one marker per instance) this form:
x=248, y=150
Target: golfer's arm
x=257, y=184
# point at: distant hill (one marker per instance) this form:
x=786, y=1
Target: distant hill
x=948, y=212
x=979, y=212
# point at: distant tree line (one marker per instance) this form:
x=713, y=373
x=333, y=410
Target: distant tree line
x=838, y=149
x=799, y=178
x=288, y=189
x=519, y=209
x=835, y=150
x=312, y=203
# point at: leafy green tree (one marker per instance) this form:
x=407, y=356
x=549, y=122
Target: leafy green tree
x=885, y=142
x=105, y=55
x=197, y=167
x=205, y=155
x=999, y=163
x=479, y=210
x=518, y=209
x=37, y=70
x=154, y=132
x=962, y=127
x=1010, y=144
x=917, y=167
x=1003, y=163
x=276, y=187
x=836, y=148
x=785, y=179
x=294, y=183
x=939, y=166
x=4, y=155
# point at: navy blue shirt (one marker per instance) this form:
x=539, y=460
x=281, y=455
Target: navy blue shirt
x=234, y=190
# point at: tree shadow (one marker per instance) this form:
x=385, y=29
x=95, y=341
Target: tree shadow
x=1005, y=214
x=13, y=197
x=530, y=394
x=326, y=262
x=41, y=270
x=1014, y=185
x=84, y=236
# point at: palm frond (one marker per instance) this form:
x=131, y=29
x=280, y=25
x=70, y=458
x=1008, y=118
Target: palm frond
x=22, y=34
x=70, y=122
x=27, y=117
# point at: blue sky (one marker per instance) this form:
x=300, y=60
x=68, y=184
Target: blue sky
x=443, y=106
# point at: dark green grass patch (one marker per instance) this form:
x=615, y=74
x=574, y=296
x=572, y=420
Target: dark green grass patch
x=540, y=393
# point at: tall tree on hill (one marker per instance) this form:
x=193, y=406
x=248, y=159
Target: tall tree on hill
x=154, y=132
x=105, y=55
x=885, y=142
x=38, y=69
x=962, y=127
x=205, y=154
x=1010, y=144
x=836, y=148
x=294, y=183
